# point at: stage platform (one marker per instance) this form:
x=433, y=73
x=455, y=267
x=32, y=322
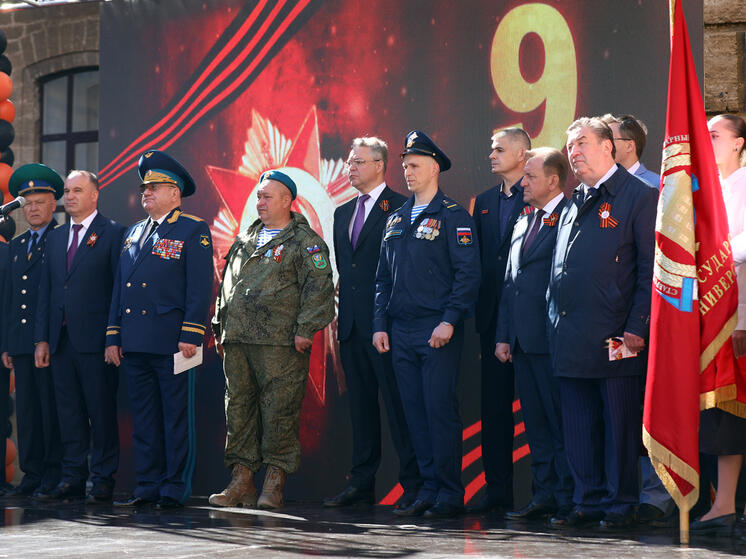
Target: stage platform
x=74, y=530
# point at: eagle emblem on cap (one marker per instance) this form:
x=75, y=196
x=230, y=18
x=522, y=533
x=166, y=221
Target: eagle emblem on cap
x=410, y=140
x=148, y=154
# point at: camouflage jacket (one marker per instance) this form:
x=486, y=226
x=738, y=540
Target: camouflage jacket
x=271, y=294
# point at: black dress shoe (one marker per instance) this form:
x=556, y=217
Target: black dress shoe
x=168, y=503
x=649, y=513
x=532, y=510
x=488, y=504
x=351, y=496
x=133, y=502
x=576, y=519
x=63, y=492
x=4, y=488
x=405, y=501
x=718, y=526
x=444, y=510
x=100, y=494
x=22, y=490
x=616, y=521
x=415, y=509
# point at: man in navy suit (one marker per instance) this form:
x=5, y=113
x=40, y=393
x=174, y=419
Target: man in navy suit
x=358, y=228
x=522, y=335
x=495, y=213
x=630, y=137
x=39, y=449
x=600, y=289
x=74, y=298
x=159, y=306
x=7, y=230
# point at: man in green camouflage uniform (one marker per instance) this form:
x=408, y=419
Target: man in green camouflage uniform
x=276, y=293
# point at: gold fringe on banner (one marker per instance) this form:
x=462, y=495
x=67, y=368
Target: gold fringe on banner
x=662, y=458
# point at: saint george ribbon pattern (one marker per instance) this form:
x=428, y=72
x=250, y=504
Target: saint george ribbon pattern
x=604, y=212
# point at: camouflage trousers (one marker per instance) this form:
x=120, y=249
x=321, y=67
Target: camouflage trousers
x=264, y=389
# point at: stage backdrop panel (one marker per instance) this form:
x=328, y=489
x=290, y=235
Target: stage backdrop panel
x=234, y=88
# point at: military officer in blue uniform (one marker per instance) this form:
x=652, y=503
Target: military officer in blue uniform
x=39, y=450
x=426, y=285
x=74, y=298
x=159, y=307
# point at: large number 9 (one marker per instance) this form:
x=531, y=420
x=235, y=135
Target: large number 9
x=558, y=82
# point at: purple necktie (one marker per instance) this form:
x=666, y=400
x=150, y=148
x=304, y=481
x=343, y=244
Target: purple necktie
x=357, y=226
x=73, y=245
x=534, y=230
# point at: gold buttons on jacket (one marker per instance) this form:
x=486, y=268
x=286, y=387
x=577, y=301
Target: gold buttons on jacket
x=127, y=311
x=23, y=321
x=144, y=311
x=129, y=284
x=144, y=284
x=24, y=277
x=23, y=292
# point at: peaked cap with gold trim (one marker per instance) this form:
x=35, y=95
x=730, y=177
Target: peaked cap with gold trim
x=158, y=167
x=419, y=143
x=35, y=178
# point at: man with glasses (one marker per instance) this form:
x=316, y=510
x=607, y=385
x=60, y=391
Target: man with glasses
x=159, y=307
x=358, y=228
x=630, y=136
x=36, y=412
x=74, y=298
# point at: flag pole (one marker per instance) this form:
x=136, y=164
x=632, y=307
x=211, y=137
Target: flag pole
x=683, y=512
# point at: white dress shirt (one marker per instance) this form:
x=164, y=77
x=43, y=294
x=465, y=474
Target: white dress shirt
x=369, y=203
x=86, y=223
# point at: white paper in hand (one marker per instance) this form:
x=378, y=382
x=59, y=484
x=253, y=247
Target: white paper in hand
x=182, y=363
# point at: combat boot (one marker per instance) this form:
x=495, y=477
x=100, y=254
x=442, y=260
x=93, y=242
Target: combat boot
x=240, y=491
x=274, y=482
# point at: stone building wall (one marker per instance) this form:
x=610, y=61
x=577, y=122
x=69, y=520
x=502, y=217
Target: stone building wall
x=724, y=48
x=42, y=41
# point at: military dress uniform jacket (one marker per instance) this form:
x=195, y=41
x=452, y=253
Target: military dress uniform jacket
x=357, y=266
x=162, y=292
x=522, y=316
x=601, y=278
x=80, y=297
x=21, y=293
x=428, y=271
x=273, y=293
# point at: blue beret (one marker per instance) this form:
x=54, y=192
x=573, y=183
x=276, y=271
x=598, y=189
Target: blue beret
x=283, y=178
x=420, y=143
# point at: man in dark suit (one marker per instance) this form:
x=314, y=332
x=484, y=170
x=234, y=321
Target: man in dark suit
x=522, y=331
x=74, y=298
x=159, y=307
x=39, y=449
x=7, y=230
x=358, y=228
x=600, y=289
x=495, y=213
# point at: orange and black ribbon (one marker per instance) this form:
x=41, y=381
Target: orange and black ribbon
x=604, y=212
x=551, y=220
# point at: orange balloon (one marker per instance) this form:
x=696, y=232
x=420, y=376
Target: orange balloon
x=6, y=86
x=7, y=110
x=10, y=451
x=12, y=384
x=5, y=172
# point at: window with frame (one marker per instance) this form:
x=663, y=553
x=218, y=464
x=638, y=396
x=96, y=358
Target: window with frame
x=69, y=120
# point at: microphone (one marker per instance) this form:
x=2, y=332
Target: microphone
x=19, y=202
